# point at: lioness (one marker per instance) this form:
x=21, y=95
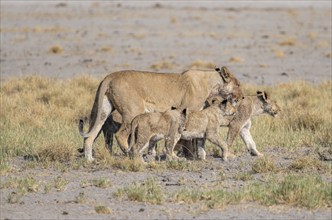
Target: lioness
x=248, y=107
x=134, y=92
x=148, y=128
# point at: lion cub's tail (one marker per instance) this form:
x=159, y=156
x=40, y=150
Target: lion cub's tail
x=133, y=134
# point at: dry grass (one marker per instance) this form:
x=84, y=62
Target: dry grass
x=201, y=64
x=39, y=119
x=149, y=191
x=309, y=192
x=162, y=65
x=103, y=210
x=264, y=165
x=56, y=49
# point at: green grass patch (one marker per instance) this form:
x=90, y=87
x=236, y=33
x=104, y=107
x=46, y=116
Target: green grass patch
x=309, y=192
x=149, y=191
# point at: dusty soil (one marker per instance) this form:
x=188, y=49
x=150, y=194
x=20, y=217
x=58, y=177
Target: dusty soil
x=262, y=43
x=55, y=204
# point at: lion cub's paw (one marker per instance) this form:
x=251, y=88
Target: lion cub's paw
x=256, y=153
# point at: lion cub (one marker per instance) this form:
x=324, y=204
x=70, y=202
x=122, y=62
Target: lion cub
x=240, y=123
x=148, y=128
x=205, y=123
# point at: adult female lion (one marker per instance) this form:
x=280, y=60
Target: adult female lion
x=134, y=92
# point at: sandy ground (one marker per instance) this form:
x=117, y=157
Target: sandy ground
x=261, y=43
x=64, y=204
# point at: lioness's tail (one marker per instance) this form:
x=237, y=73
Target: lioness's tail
x=133, y=135
x=102, y=108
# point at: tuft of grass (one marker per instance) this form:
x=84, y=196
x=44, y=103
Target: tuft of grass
x=176, y=165
x=100, y=209
x=215, y=198
x=21, y=186
x=149, y=191
x=15, y=197
x=132, y=165
x=236, y=60
x=187, y=196
x=264, y=165
x=308, y=163
x=201, y=64
x=81, y=198
x=244, y=176
x=56, y=49
x=60, y=184
x=162, y=65
x=102, y=182
x=310, y=192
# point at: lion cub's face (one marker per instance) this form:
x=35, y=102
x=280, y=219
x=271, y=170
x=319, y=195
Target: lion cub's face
x=269, y=106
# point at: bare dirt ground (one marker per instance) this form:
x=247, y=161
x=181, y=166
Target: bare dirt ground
x=55, y=204
x=262, y=43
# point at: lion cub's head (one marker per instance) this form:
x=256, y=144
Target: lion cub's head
x=269, y=106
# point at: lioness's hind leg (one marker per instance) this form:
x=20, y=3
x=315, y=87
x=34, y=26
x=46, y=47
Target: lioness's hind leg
x=122, y=138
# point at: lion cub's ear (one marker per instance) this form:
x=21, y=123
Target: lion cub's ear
x=263, y=95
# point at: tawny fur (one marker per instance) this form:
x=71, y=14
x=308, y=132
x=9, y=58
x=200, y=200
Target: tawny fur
x=133, y=92
x=247, y=108
x=206, y=123
x=149, y=128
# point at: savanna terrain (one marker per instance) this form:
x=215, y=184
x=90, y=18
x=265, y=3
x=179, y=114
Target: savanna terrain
x=54, y=54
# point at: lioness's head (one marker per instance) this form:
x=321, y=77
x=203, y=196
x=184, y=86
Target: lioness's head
x=225, y=105
x=269, y=106
x=231, y=84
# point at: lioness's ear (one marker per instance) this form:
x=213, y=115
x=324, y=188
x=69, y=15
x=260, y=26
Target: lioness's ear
x=225, y=74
